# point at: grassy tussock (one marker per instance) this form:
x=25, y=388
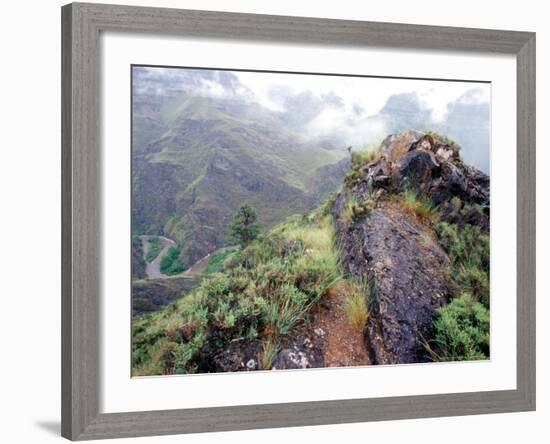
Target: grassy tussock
x=418, y=206
x=263, y=293
x=356, y=307
x=359, y=159
x=365, y=157
x=269, y=351
x=353, y=209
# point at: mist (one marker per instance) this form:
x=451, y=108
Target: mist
x=340, y=110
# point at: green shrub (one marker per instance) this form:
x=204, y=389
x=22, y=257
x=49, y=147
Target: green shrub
x=284, y=308
x=475, y=281
x=466, y=244
x=155, y=247
x=267, y=292
x=217, y=260
x=469, y=252
x=186, y=351
x=462, y=330
x=170, y=263
x=328, y=206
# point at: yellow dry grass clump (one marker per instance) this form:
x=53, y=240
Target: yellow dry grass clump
x=418, y=206
x=357, y=304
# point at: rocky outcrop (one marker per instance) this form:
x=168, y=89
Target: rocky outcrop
x=236, y=357
x=408, y=274
x=407, y=271
x=296, y=352
x=432, y=166
x=301, y=352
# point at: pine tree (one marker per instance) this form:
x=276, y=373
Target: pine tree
x=244, y=228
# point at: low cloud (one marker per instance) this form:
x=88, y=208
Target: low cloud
x=343, y=110
x=170, y=82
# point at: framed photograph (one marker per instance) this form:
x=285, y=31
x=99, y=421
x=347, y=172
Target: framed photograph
x=278, y=221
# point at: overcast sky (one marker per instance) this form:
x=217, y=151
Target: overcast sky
x=370, y=93
x=353, y=110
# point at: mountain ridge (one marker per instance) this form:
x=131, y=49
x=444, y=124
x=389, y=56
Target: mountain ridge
x=398, y=259
x=213, y=155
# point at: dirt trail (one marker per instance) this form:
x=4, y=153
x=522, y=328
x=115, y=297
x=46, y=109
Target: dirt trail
x=199, y=266
x=152, y=269
x=345, y=345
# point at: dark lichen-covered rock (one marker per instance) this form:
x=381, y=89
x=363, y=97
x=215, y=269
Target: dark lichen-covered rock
x=238, y=356
x=462, y=181
x=408, y=276
x=417, y=170
x=430, y=165
x=433, y=167
x=300, y=352
x=408, y=272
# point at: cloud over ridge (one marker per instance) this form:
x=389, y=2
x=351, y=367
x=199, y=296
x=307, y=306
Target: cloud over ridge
x=342, y=110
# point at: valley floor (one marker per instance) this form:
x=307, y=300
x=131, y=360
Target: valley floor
x=152, y=269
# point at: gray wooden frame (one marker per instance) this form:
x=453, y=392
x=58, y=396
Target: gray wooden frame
x=81, y=165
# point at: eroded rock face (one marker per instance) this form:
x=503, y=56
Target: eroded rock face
x=430, y=167
x=408, y=272
x=418, y=169
x=408, y=275
x=434, y=168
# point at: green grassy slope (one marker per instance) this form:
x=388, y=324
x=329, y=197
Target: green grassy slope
x=263, y=293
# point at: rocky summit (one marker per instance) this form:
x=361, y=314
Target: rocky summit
x=394, y=248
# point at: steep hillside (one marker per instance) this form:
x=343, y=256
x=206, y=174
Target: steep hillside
x=197, y=159
x=138, y=261
x=393, y=269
